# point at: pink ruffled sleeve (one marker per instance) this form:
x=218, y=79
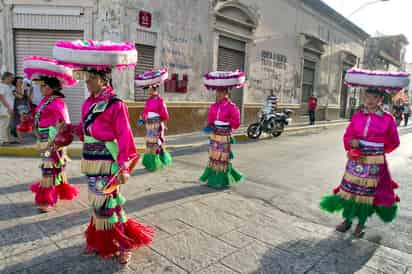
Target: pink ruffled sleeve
x=123, y=133
x=65, y=113
x=146, y=109
x=58, y=111
x=164, y=114
x=392, y=136
x=211, y=116
x=234, y=117
x=349, y=134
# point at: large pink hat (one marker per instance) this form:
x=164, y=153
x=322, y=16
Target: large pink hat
x=37, y=66
x=388, y=81
x=99, y=55
x=152, y=77
x=224, y=80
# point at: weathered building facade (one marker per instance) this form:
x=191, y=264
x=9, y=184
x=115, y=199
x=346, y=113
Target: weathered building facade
x=293, y=48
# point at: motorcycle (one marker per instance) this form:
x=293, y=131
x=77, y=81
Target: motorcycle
x=269, y=122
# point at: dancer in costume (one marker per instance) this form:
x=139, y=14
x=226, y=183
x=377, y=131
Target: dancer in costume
x=223, y=118
x=51, y=111
x=109, y=151
x=154, y=116
x=367, y=187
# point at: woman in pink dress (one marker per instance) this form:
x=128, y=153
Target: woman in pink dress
x=154, y=116
x=109, y=153
x=223, y=118
x=51, y=111
x=109, y=150
x=367, y=187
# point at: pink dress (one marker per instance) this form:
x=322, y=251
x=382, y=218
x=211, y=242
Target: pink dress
x=54, y=184
x=225, y=111
x=155, y=104
x=223, y=118
x=380, y=128
x=112, y=124
x=110, y=151
x=55, y=112
x=367, y=187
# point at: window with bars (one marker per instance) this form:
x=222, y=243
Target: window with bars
x=308, y=83
x=145, y=63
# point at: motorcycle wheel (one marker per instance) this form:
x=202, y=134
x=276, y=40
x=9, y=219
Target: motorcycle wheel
x=254, y=131
x=278, y=129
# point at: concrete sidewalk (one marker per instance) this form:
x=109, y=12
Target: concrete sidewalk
x=174, y=142
x=198, y=230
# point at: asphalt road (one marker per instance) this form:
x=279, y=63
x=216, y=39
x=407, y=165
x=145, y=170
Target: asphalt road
x=292, y=172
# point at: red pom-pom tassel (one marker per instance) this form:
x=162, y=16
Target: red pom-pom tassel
x=44, y=195
x=67, y=191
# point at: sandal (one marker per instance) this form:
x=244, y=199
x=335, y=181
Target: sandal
x=359, y=231
x=124, y=257
x=344, y=226
x=44, y=209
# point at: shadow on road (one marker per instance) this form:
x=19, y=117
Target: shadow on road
x=331, y=255
x=22, y=233
x=26, y=186
x=66, y=260
x=73, y=180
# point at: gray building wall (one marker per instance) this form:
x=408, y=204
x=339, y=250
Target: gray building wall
x=186, y=40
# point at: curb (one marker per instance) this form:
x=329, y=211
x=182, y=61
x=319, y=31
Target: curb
x=32, y=151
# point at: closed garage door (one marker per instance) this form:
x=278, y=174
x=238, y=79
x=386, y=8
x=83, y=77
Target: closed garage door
x=40, y=42
x=229, y=59
x=145, y=62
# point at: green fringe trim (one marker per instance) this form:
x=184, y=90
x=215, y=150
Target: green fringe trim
x=113, y=219
x=123, y=217
x=351, y=210
x=120, y=199
x=219, y=180
x=387, y=213
x=152, y=162
x=232, y=155
x=232, y=140
x=58, y=180
x=166, y=158
x=112, y=203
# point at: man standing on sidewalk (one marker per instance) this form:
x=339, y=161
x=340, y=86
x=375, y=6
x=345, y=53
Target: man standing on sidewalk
x=6, y=106
x=406, y=113
x=312, y=105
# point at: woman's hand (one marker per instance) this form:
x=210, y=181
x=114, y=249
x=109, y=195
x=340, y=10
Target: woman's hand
x=123, y=177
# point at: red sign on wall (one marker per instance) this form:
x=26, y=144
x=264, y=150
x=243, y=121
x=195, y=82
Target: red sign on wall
x=145, y=19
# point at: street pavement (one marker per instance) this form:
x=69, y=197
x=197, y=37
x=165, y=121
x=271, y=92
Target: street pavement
x=269, y=224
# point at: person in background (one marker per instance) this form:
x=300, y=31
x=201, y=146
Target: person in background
x=6, y=106
x=35, y=94
x=272, y=101
x=312, y=105
x=406, y=113
x=397, y=112
x=22, y=108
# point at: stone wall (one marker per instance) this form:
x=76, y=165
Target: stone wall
x=184, y=117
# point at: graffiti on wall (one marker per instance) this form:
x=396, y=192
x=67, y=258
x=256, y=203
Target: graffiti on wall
x=271, y=72
x=178, y=49
x=178, y=53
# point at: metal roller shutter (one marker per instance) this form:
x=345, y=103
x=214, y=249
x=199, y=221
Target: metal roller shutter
x=40, y=42
x=229, y=59
x=145, y=62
